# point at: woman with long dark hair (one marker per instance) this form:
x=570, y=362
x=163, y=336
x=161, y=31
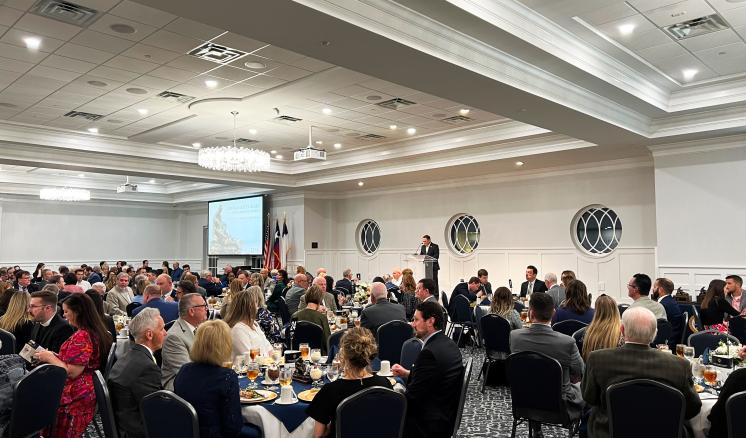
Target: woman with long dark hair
x=274, y=298
x=576, y=306
x=36, y=276
x=715, y=306
x=80, y=356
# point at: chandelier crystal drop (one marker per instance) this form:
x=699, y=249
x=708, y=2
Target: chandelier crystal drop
x=66, y=194
x=233, y=158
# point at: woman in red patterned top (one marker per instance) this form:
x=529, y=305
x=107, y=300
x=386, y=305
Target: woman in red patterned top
x=80, y=356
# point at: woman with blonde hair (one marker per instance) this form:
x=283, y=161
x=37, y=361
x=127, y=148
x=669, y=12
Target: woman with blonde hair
x=256, y=279
x=263, y=316
x=357, y=348
x=245, y=331
x=16, y=319
x=502, y=305
x=210, y=388
x=605, y=329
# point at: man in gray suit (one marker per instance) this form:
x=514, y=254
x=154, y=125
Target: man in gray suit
x=635, y=360
x=136, y=374
x=329, y=301
x=382, y=310
x=175, y=353
x=554, y=290
x=292, y=296
x=541, y=338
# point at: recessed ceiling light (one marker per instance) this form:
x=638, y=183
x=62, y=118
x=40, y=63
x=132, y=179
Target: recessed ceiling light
x=211, y=83
x=32, y=43
x=8, y=105
x=392, y=127
x=134, y=90
x=122, y=28
x=278, y=157
x=519, y=163
x=81, y=175
x=373, y=97
x=253, y=131
x=689, y=73
x=337, y=145
x=326, y=111
x=255, y=65
x=142, y=111
x=319, y=142
x=152, y=181
x=97, y=83
x=411, y=131
x=273, y=152
x=93, y=130
x=196, y=145
x=326, y=43
x=626, y=29
x=464, y=111
x=360, y=183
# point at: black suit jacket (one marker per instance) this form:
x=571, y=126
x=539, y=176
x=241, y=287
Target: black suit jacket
x=345, y=284
x=433, y=389
x=54, y=335
x=132, y=378
x=461, y=289
x=539, y=286
x=673, y=315
x=434, y=252
x=212, y=289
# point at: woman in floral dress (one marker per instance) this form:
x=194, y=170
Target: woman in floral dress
x=80, y=356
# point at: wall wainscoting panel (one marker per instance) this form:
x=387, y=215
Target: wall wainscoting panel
x=693, y=278
x=608, y=274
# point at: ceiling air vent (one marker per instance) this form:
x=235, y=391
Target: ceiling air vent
x=65, y=12
x=82, y=115
x=287, y=119
x=175, y=97
x=216, y=53
x=371, y=137
x=696, y=27
x=395, y=103
x=455, y=120
x=246, y=140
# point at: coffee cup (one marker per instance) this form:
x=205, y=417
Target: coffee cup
x=287, y=395
x=385, y=367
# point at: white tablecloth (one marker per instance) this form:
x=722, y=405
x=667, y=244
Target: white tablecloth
x=700, y=424
x=272, y=427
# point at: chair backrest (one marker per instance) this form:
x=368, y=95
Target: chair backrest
x=707, y=339
x=535, y=381
x=666, y=420
x=462, y=396
x=131, y=307
x=32, y=413
x=518, y=306
x=568, y=326
x=8, y=341
x=444, y=299
x=461, y=311
x=103, y=403
x=622, y=308
x=166, y=414
x=737, y=328
x=410, y=350
x=684, y=321
x=479, y=312
x=734, y=407
x=495, y=332
x=307, y=333
x=111, y=360
x=332, y=347
x=579, y=337
x=355, y=410
x=390, y=338
x=664, y=333
x=282, y=307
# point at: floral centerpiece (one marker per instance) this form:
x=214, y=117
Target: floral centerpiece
x=362, y=292
x=729, y=350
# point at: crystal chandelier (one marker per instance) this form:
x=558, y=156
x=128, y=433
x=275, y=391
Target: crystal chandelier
x=233, y=158
x=64, y=194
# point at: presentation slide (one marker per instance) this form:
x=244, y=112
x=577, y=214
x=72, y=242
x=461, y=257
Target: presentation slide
x=235, y=226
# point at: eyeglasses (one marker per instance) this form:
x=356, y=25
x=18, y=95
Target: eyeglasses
x=200, y=305
x=34, y=306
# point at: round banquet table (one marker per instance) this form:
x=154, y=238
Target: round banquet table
x=281, y=421
x=699, y=423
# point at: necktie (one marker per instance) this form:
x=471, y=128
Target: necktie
x=531, y=287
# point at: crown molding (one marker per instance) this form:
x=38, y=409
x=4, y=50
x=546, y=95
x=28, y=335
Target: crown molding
x=703, y=121
x=699, y=146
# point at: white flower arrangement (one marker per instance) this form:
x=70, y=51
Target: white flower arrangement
x=728, y=349
x=362, y=292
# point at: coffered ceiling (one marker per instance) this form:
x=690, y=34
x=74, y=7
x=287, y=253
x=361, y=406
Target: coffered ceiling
x=391, y=89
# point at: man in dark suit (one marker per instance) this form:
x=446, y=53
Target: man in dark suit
x=531, y=284
x=663, y=288
x=541, y=338
x=345, y=283
x=635, y=360
x=382, y=310
x=211, y=284
x=50, y=330
x=484, y=279
x=434, y=382
x=430, y=249
x=23, y=282
x=471, y=290
x=136, y=374
x=152, y=299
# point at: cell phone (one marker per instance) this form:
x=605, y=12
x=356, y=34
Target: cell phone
x=358, y=276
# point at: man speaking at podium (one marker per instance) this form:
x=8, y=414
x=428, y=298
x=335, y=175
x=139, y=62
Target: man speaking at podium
x=430, y=249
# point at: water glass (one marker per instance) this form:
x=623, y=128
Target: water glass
x=689, y=353
x=286, y=376
x=332, y=372
x=252, y=372
x=315, y=355
x=316, y=374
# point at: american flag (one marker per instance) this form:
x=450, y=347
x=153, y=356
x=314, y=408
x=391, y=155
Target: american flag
x=267, y=244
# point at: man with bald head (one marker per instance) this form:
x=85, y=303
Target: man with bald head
x=166, y=286
x=293, y=295
x=329, y=301
x=382, y=310
x=635, y=360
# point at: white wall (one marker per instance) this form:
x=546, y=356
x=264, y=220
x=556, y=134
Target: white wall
x=523, y=221
x=701, y=211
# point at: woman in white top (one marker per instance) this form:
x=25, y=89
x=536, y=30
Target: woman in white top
x=245, y=331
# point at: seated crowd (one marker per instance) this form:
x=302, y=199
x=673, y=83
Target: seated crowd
x=69, y=313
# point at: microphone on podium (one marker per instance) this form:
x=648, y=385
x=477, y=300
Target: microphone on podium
x=510, y=284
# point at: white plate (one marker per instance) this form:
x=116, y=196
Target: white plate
x=269, y=382
x=390, y=374
x=280, y=402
